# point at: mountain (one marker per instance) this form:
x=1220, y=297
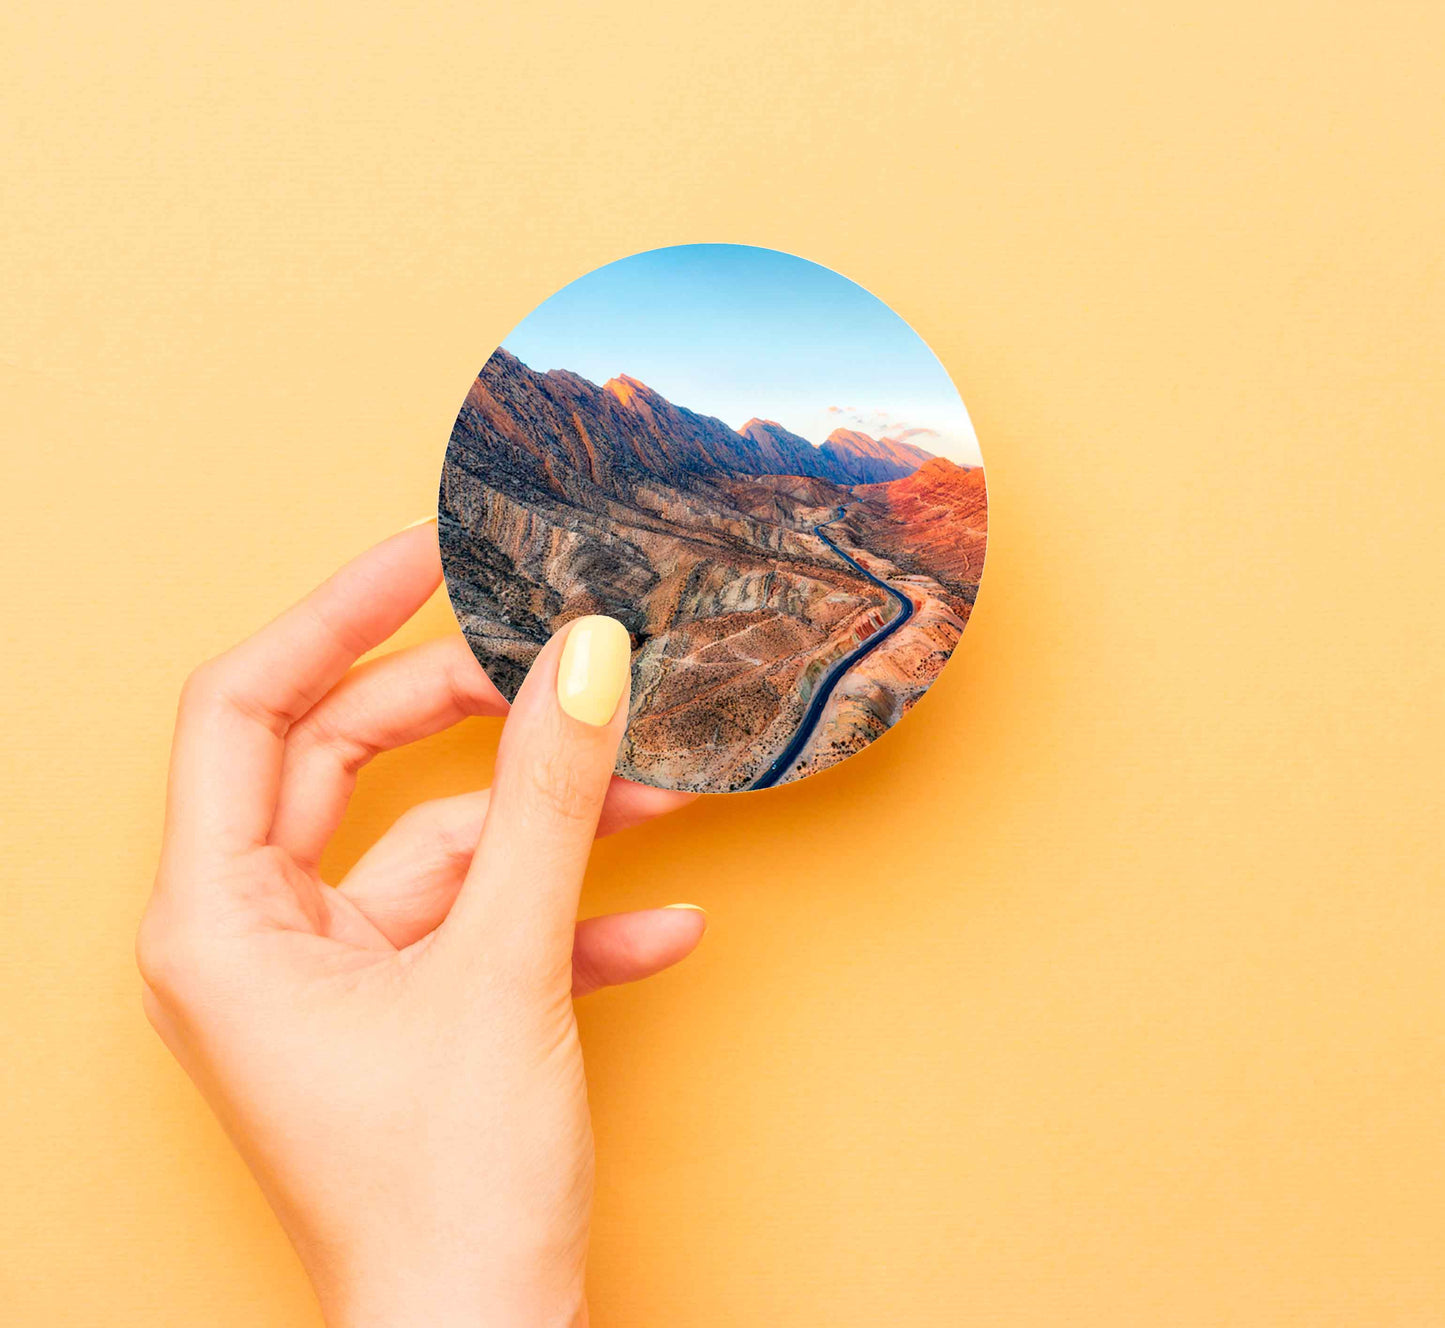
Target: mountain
x=938, y=487
x=560, y=497
x=558, y=433
x=933, y=521
x=550, y=432
x=847, y=457
x=789, y=454
x=857, y=458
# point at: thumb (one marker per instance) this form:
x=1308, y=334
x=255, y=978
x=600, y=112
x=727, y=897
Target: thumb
x=558, y=749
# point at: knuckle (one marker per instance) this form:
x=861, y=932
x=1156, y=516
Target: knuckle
x=427, y=828
x=205, y=687
x=415, y=822
x=447, y=829
x=347, y=635
x=472, y=692
x=199, y=686
x=456, y=836
x=154, y=1011
x=165, y=955
x=562, y=789
x=322, y=731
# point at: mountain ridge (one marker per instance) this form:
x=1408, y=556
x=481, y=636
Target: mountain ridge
x=788, y=449
x=863, y=459
x=559, y=424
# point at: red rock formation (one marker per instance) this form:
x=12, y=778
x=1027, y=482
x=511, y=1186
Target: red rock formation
x=934, y=521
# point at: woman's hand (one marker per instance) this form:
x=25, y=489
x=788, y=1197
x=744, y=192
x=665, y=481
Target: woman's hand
x=397, y=1057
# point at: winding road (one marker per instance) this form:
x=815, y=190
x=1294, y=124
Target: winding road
x=788, y=757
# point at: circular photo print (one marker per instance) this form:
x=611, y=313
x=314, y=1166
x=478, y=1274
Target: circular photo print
x=753, y=464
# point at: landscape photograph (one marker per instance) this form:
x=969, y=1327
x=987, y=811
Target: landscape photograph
x=755, y=466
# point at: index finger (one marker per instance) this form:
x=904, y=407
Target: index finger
x=235, y=710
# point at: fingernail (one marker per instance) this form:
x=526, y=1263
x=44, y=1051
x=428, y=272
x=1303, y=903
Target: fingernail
x=693, y=908
x=595, y=669
x=412, y=525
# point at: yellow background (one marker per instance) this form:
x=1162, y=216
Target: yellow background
x=1109, y=988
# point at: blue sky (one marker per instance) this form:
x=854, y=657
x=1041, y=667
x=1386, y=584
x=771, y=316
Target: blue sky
x=735, y=331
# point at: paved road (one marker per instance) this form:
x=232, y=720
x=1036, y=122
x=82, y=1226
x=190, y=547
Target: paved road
x=788, y=757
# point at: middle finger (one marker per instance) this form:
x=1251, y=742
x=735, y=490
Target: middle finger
x=406, y=882
x=379, y=705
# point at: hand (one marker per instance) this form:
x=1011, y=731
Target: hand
x=397, y=1058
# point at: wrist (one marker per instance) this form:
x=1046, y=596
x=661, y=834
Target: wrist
x=432, y=1298
x=419, y=1304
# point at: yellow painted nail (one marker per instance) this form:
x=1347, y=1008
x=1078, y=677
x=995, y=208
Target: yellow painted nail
x=595, y=669
x=412, y=525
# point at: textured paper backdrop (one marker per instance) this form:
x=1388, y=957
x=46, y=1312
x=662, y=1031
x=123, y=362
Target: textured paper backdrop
x=1111, y=993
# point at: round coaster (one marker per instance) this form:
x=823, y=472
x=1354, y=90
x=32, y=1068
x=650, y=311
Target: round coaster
x=757, y=467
